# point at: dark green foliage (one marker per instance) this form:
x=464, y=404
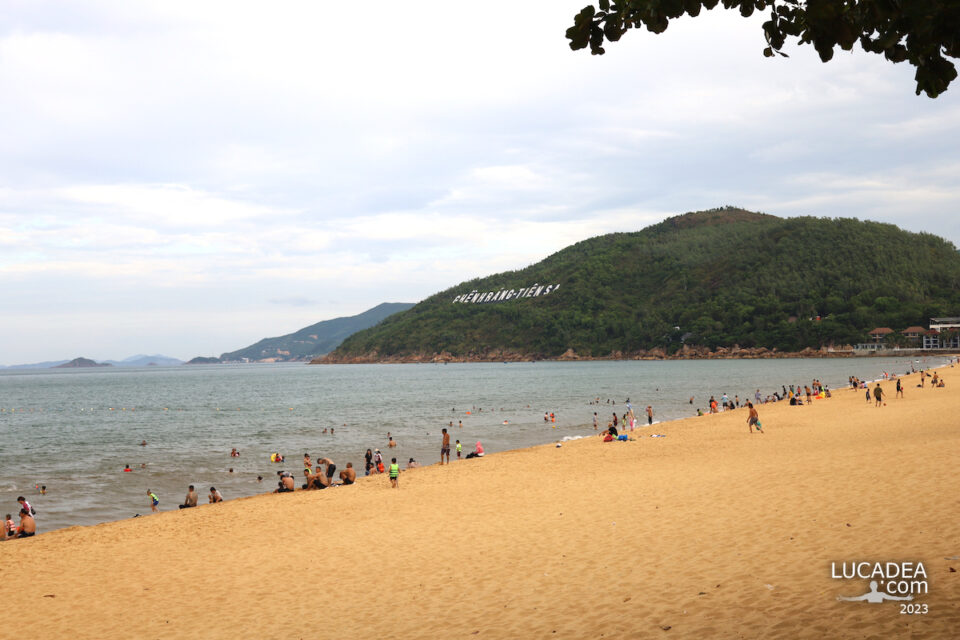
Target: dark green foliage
x=919, y=31
x=724, y=277
x=317, y=339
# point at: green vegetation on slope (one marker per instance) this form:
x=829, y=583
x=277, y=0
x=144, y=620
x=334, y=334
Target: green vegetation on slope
x=317, y=339
x=713, y=278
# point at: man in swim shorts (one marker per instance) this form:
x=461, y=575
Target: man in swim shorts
x=28, y=526
x=878, y=394
x=348, y=475
x=753, y=420
x=444, y=447
x=191, y=499
x=286, y=484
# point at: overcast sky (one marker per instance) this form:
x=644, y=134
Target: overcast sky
x=186, y=178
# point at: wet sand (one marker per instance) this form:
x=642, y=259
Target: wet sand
x=707, y=532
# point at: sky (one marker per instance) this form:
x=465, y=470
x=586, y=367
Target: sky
x=186, y=178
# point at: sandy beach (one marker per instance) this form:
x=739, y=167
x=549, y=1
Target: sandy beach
x=709, y=532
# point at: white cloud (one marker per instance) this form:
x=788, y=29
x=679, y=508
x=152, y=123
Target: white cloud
x=205, y=159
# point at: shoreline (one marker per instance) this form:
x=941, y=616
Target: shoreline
x=707, y=532
x=654, y=355
x=571, y=432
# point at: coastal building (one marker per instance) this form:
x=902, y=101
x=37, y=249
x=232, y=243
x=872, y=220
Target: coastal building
x=944, y=333
x=914, y=335
x=949, y=329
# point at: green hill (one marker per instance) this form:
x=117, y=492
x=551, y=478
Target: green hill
x=317, y=339
x=713, y=279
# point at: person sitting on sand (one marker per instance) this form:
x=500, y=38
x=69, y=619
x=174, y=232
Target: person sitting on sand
x=28, y=526
x=477, y=452
x=9, y=527
x=285, y=485
x=215, y=496
x=348, y=475
x=191, y=499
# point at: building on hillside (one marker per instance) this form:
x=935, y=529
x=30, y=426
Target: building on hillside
x=949, y=330
x=878, y=334
x=914, y=335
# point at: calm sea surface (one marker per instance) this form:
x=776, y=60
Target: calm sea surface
x=73, y=430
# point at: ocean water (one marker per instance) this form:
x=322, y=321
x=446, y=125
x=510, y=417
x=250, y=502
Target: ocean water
x=73, y=430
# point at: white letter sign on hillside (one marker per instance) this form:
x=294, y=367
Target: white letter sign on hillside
x=483, y=297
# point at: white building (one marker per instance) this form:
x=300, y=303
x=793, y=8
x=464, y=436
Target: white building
x=949, y=330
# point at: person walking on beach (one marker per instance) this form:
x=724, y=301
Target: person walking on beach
x=395, y=472
x=878, y=394
x=444, y=447
x=753, y=420
x=154, y=501
x=191, y=499
x=899, y=389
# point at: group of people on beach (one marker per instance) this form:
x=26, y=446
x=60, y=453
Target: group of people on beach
x=27, y=526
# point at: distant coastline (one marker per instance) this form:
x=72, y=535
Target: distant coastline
x=686, y=353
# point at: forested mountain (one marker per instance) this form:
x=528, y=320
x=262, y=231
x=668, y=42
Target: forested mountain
x=713, y=278
x=317, y=339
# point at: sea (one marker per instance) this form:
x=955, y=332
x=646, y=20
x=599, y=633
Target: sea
x=74, y=430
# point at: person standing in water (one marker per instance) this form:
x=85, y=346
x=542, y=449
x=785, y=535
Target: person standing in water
x=649, y=414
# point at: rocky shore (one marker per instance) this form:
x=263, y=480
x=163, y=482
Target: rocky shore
x=687, y=352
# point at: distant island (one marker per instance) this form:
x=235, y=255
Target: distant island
x=80, y=363
x=719, y=283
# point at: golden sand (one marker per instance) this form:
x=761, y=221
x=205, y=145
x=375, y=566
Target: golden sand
x=710, y=532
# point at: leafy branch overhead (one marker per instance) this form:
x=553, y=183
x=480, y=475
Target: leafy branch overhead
x=921, y=32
